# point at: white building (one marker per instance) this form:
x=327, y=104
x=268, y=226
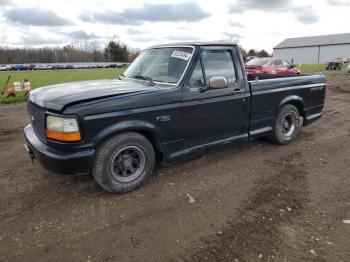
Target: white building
x=314, y=49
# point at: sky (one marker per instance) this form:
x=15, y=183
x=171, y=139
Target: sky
x=257, y=24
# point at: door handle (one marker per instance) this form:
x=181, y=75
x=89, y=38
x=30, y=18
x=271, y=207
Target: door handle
x=238, y=91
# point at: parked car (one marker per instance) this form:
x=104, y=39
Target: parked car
x=68, y=67
x=173, y=100
x=113, y=65
x=5, y=67
x=31, y=67
x=58, y=67
x=251, y=57
x=270, y=66
x=41, y=67
x=76, y=66
x=19, y=67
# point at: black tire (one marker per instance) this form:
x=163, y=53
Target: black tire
x=287, y=125
x=123, y=163
x=11, y=95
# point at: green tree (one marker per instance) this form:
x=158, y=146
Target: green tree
x=116, y=52
x=252, y=52
x=263, y=53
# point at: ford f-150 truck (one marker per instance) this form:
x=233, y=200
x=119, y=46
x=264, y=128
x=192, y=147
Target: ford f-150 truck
x=173, y=100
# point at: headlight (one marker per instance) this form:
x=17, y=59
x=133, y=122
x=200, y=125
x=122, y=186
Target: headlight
x=62, y=129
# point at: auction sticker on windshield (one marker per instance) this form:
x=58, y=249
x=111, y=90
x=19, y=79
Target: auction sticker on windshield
x=181, y=54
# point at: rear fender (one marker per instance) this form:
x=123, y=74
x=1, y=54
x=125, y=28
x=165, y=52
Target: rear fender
x=296, y=101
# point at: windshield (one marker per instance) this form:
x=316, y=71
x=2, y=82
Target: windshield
x=165, y=64
x=258, y=62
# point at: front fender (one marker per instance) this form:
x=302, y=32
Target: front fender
x=129, y=125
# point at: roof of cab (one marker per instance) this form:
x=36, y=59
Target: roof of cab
x=197, y=43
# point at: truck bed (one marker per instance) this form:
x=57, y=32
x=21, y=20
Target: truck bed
x=267, y=95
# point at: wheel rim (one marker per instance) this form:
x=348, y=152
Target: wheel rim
x=289, y=124
x=128, y=163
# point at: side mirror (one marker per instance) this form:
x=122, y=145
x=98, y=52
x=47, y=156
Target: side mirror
x=217, y=82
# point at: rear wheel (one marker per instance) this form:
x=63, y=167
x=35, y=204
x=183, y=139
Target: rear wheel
x=124, y=162
x=287, y=125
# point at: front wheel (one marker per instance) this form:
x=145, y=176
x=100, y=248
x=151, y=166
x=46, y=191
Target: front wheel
x=287, y=125
x=123, y=162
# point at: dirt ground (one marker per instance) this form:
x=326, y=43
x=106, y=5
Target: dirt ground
x=253, y=202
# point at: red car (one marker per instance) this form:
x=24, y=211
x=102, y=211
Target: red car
x=271, y=66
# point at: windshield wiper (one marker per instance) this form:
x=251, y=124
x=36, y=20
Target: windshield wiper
x=121, y=76
x=144, y=78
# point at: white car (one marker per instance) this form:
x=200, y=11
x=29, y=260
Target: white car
x=5, y=67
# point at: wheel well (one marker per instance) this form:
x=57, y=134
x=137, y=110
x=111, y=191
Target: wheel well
x=299, y=105
x=151, y=138
x=147, y=134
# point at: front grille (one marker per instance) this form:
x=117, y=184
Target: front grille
x=37, y=119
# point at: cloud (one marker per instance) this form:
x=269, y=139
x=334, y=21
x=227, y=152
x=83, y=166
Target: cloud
x=236, y=24
x=149, y=38
x=35, y=17
x=182, y=38
x=233, y=37
x=305, y=15
x=72, y=38
x=6, y=2
x=80, y=35
x=266, y=5
x=339, y=2
x=144, y=38
x=34, y=39
x=132, y=31
x=186, y=12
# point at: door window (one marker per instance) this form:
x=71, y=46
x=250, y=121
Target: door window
x=197, y=79
x=219, y=63
x=286, y=64
x=278, y=63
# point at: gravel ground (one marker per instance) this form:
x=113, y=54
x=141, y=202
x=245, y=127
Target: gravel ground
x=253, y=202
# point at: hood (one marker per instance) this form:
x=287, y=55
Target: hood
x=55, y=97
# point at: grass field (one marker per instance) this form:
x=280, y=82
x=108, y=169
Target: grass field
x=43, y=78
x=309, y=68
x=306, y=68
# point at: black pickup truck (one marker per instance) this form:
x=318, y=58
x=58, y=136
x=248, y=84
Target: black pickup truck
x=173, y=100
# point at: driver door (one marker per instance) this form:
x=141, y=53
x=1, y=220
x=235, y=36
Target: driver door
x=215, y=114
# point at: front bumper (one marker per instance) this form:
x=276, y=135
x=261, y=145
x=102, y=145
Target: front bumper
x=58, y=161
